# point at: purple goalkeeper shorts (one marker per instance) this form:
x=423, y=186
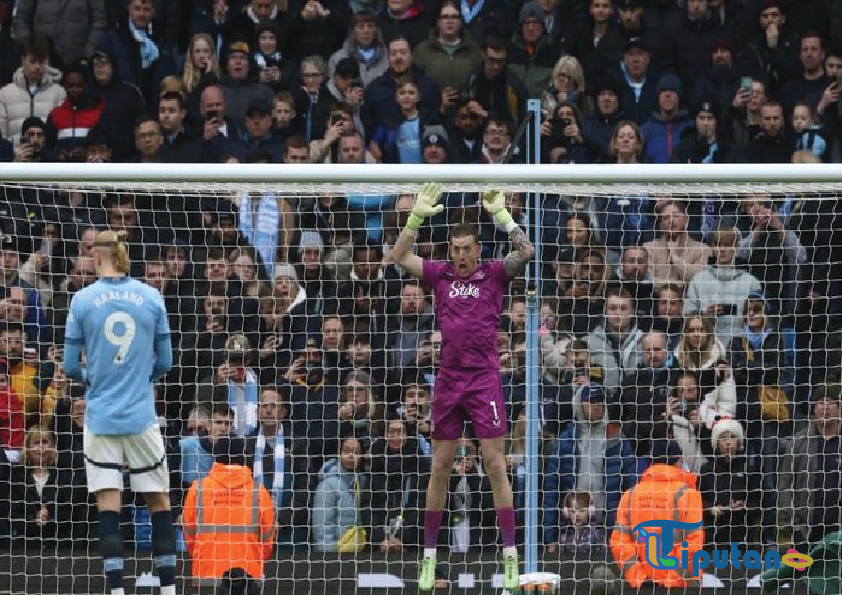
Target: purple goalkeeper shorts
x=477, y=395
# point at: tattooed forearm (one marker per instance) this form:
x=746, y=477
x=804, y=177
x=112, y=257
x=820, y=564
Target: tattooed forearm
x=521, y=253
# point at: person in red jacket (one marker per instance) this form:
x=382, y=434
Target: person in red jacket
x=70, y=122
x=12, y=419
x=229, y=517
x=665, y=492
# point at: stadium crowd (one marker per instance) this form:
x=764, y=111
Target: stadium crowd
x=710, y=322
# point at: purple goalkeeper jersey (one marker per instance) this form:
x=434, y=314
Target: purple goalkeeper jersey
x=468, y=313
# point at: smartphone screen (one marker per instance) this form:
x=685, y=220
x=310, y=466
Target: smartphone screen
x=745, y=84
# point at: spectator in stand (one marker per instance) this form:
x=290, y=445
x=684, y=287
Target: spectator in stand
x=405, y=19
x=707, y=141
x=720, y=291
x=591, y=454
x=435, y=148
x=662, y=131
x=690, y=38
x=180, y=145
x=12, y=415
x=201, y=68
x=273, y=65
x=33, y=146
x=34, y=90
x=283, y=116
x=149, y=138
x=197, y=450
x=720, y=79
x=669, y=308
x=773, y=253
x=809, y=133
x=565, y=140
x=567, y=85
x=730, y=487
x=699, y=350
x=239, y=85
x=810, y=83
x=315, y=28
x=400, y=141
x=78, y=114
x=351, y=150
x=364, y=45
x=533, y=53
x=23, y=367
x=494, y=87
x=744, y=112
x=626, y=145
x=222, y=132
x=448, y=56
x=141, y=56
x=380, y=102
x=360, y=412
x=810, y=497
x=337, y=504
x=346, y=87
x=828, y=108
x=398, y=486
x=633, y=274
x=42, y=494
x=313, y=100
x=496, y=140
x=675, y=257
x=466, y=132
x=244, y=24
x=775, y=48
x=326, y=150
x=615, y=344
x=600, y=125
x=638, y=95
x=258, y=130
x=123, y=104
x=74, y=27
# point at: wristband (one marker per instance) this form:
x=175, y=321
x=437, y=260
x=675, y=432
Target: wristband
x=414, y=222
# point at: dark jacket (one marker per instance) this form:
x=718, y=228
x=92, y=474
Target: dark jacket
x=506, y=96
x=127, y=63
x=691, y=45
x=321, y=37
x=640, y=109
x=123, y=105
x=725, y=480
x=186, y=148
x=694, y=149
x=533, y=65
x=763, y=149
x=239, y=94
x=662, y=136
x=58, y=497
x=414, y=28
x=380, y=102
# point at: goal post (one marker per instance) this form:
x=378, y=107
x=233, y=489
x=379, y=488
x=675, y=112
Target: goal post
x=600, y=238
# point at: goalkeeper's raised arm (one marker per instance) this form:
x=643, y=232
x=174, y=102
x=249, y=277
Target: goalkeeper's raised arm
x=523, y=250
x=426, y=205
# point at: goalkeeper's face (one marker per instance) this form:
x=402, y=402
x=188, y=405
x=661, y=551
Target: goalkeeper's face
x=464, y=250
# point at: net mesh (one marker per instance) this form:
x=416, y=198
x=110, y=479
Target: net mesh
x=699, y=318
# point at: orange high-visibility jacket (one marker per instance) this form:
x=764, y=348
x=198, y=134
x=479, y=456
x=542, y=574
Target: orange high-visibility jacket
x=229, y=521
x=664, y=492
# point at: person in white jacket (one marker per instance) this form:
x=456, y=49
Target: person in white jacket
x=34, y=90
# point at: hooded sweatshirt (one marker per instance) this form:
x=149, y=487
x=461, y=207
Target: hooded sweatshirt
x=334, y=506
x=725, y=286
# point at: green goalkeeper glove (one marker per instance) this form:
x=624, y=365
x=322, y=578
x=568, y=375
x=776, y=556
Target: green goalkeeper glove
x=494, y=202
x=426, y=205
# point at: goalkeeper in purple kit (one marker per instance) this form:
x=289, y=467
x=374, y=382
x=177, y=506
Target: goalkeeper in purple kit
x=469, y=299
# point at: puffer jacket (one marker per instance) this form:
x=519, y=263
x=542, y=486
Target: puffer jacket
x=368, y=71
x=17, y=103
x=446, y=69
x=335, y=507
x=664, y=492
x=75, y=26
x=533, y=66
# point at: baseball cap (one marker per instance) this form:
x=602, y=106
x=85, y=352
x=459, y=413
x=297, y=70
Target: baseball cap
x=347, y=66
x=630, y=4
x=239, y=46
x=636, y=42
x=708, y=105
x=258, y=106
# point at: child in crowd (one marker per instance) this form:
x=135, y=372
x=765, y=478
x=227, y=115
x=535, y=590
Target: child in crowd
x=283, y=115
x=809, y=134
x=583, y=536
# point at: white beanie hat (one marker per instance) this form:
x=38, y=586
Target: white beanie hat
x=727, y=425
x=285, y=270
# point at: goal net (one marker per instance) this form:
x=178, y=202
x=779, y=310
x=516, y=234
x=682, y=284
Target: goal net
x=691, y=324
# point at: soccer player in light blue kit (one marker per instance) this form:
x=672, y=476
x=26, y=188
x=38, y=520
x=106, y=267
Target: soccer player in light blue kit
x=122, y=325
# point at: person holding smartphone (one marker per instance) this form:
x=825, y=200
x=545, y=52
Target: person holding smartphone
x=340, y=120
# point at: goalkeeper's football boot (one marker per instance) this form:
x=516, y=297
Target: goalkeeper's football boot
x=427, y=577
x=511, y=576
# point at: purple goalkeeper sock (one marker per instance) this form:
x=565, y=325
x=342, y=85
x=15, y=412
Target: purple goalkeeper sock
x=432, y=523
x=506, y=522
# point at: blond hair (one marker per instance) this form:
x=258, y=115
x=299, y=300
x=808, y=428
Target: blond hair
x=37, y=431
x=570, y=66
x=192, y=75
x=805, y=156
x=112, y=246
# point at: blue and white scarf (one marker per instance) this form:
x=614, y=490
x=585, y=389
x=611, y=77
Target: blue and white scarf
x=148, y=50
x=259, y=222
x=243, y=399
x=470, y=12
x=278, y=456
